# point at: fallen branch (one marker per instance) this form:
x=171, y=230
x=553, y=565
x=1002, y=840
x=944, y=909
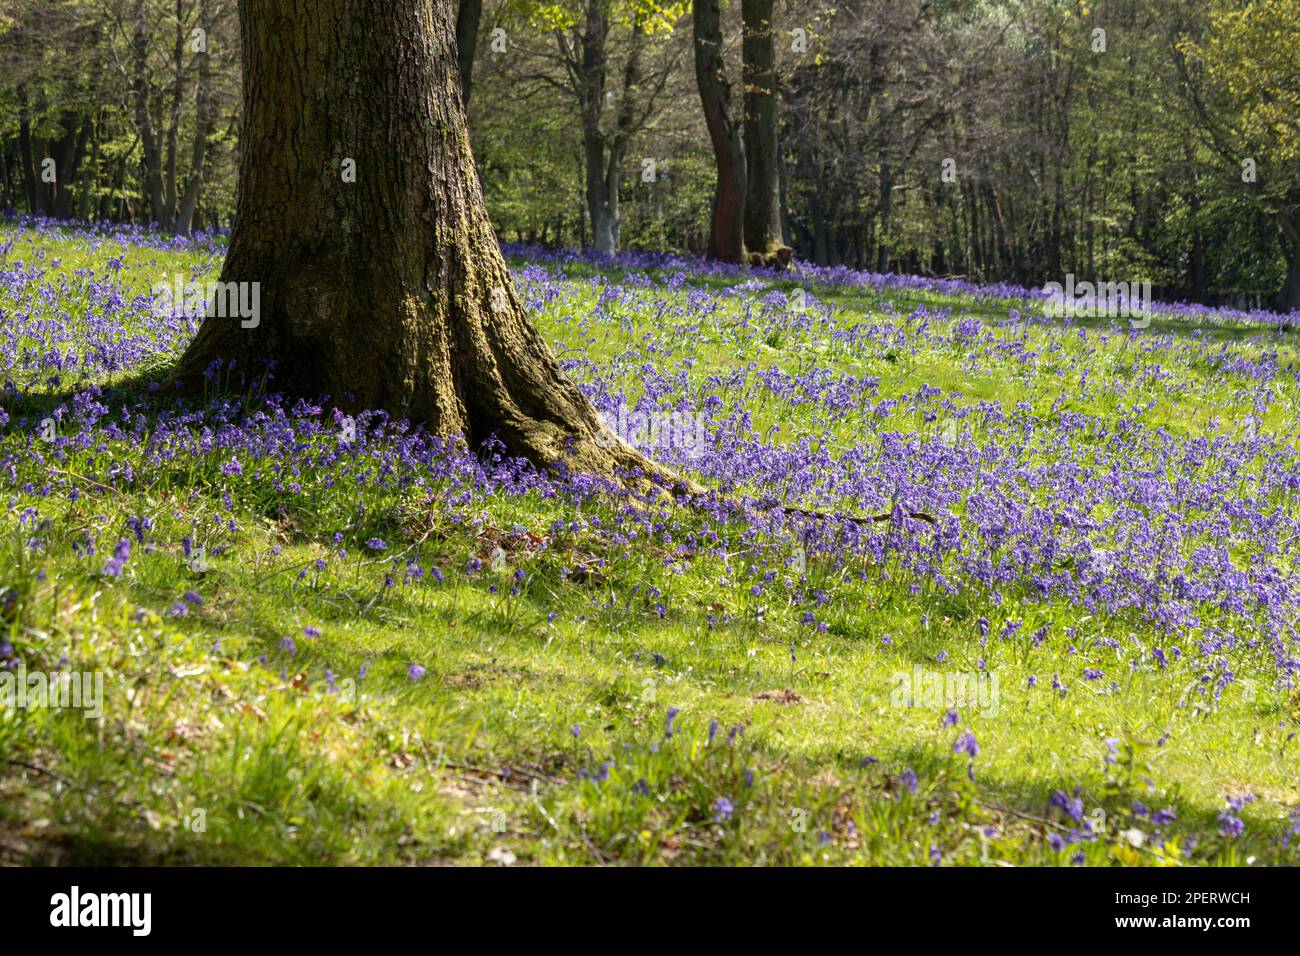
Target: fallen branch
x=856, y=519
x=45, y=771
x=89, y=481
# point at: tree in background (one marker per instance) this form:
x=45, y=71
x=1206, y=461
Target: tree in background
x=54, y=98
x=615, y=59
x=996, y=140
x=588, y=96
x=863, y=104
x=1249, y=115
x=130, y=103
x=764, y=233
x=188, y=35
x=727, y=214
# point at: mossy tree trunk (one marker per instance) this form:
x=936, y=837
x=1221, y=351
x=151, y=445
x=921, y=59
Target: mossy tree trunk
x=388, y=291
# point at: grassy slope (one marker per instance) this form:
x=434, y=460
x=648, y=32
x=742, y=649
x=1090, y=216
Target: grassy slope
x=497, y=753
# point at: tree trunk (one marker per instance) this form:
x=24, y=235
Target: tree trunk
x=602, y=202
x=885, y=197
x=152, y=158
x=6, y=182
x=86, y=200
x=168, y=218
x=390, y=291
x=763, y=236
x=613, y=213
x=467, y=20
x=62, y=151
x=204, y=109
x=25, y=154
x=726, y=235
x=602, y=187
x=114, y=195
x=69, y=150
x=1196, y=274
x=1288, y=297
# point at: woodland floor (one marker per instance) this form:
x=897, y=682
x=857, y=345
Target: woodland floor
x=399, y=653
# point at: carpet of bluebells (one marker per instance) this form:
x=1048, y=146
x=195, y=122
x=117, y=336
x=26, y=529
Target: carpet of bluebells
x=333, y=639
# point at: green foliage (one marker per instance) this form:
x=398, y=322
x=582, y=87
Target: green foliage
x=1251, y=51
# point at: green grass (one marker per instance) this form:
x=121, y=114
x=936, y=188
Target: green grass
x=538, y=732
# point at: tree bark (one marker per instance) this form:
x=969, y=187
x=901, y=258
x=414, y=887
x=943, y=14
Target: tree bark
x=390, y=291
x=763, y=236
x=726, y=234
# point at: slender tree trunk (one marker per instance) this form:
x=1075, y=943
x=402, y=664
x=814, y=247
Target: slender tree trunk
x=86, y=204
x=61, y=151
x=174, y=120
x=1288, y=297
x=203, y=118
x=886, y=206
x=582, y=224
x=601, y=205
x=763, y=236
x=602, y=201
x=114, y=194
x=467, y=20
x=6, y=182
x=1003, y=257
x=821, y=234
x=389, y=291
x=70, y=166
x=726, y=235
x=612, y=210
x=1195, y=281
x=26, y=159
x=152, y=160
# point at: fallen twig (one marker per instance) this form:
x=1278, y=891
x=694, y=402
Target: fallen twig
x=856, y=519
x=37, y=768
